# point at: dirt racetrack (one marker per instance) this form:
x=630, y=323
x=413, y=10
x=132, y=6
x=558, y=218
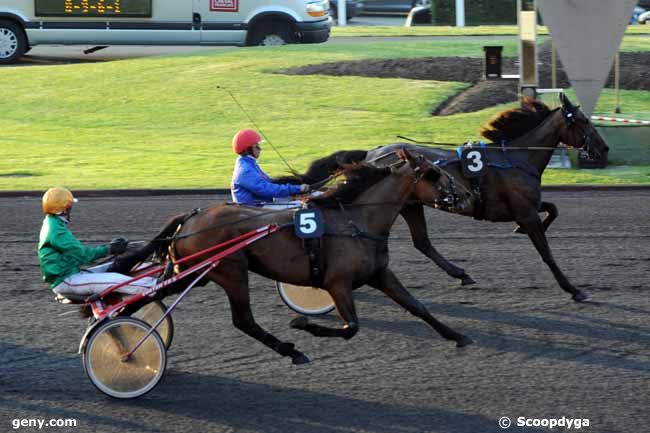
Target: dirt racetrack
x=536, y=355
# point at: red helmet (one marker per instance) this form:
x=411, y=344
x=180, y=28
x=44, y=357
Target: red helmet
x=244, y=140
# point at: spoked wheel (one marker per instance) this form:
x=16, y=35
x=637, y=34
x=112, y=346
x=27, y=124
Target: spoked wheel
x=306, y=300
x=104, y=362
x=150, y=314
x=273, y=33
x=13, y=42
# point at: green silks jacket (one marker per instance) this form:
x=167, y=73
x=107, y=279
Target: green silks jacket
x=60, y=254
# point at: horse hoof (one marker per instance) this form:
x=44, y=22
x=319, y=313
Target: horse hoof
x=464, y=341
x=300, y=322
x=580, y=296
x=300, y=359
x=467, y=280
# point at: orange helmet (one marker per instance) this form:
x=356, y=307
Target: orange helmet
x=56, y=200
x=244, y=140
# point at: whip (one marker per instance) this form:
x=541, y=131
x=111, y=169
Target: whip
x=250, y=119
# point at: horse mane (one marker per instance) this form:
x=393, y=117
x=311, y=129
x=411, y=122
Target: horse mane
x=322, y=168
x=358, y=178
x=514, y=123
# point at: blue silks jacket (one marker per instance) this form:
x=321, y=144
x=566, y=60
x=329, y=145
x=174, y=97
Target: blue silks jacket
x=251, y=186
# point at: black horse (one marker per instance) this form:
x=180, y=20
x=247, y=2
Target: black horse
x=523, y=140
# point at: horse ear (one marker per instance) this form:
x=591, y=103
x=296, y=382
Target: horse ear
x=566, y=104
x=407, y=156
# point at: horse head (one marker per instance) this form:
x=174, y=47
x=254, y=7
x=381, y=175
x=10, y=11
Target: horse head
x=433, y=186
x=579, y=132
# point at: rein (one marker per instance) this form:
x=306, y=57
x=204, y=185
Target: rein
x=437, y=145
x=358, y=233
x=224, y=224
x=216, y=226
x=450, y=178
x=567, y=114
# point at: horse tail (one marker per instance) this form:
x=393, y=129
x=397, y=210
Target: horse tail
x=166, y=235
x=158, y=246
x=324, y=167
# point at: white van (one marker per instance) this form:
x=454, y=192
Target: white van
x=25, y=23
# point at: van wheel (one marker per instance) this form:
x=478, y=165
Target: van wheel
x=13, y=42
x=274, y=34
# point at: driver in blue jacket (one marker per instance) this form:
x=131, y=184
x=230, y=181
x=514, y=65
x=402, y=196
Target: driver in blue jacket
x=250, y=185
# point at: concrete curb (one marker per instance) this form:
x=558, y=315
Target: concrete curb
x=225, y=191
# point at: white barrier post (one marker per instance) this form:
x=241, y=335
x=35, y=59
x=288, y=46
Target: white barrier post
x=460, y=13
x=342, y=12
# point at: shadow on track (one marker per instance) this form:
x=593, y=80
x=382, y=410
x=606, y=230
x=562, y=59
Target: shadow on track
x=245, y=406
x=611, y=336
x=227, y=404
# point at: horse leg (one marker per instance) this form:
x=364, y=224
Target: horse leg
x=342, y=295
x=535, y=230
x=236, y=287
x=414, y=217
x=551, y=214
x=386, y=281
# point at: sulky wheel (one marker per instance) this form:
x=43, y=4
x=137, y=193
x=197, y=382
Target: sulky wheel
x=104, y=362
x=306, y=300
x=150, y=314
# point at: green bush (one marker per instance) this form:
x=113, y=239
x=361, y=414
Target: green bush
x=443, y=12
x=477, y=12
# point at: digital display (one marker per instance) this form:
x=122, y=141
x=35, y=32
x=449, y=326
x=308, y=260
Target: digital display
x=93, y=8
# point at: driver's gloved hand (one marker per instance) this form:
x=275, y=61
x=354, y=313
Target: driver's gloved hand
x=117, y=246
x=304, y=187
x=316, y=193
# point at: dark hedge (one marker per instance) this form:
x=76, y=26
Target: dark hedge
x=477, y=12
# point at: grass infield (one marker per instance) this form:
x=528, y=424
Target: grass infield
x=163, y=122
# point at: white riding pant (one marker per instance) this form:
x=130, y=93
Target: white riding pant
x=88, y=283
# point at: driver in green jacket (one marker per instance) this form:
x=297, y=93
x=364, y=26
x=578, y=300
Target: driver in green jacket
x=61, y=255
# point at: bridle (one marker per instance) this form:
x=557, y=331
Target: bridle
x=448, y=195
x=569, y=116
x=417, y=170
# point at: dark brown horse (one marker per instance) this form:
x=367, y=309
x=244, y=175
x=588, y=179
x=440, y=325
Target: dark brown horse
x=511, y=189
x=358, y=216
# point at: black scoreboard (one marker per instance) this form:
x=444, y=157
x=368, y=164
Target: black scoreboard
x=93, y=8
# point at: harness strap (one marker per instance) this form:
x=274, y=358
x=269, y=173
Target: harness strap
x=313, y=249
x=527, y=167
x=358, y=233
x=479, y=208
